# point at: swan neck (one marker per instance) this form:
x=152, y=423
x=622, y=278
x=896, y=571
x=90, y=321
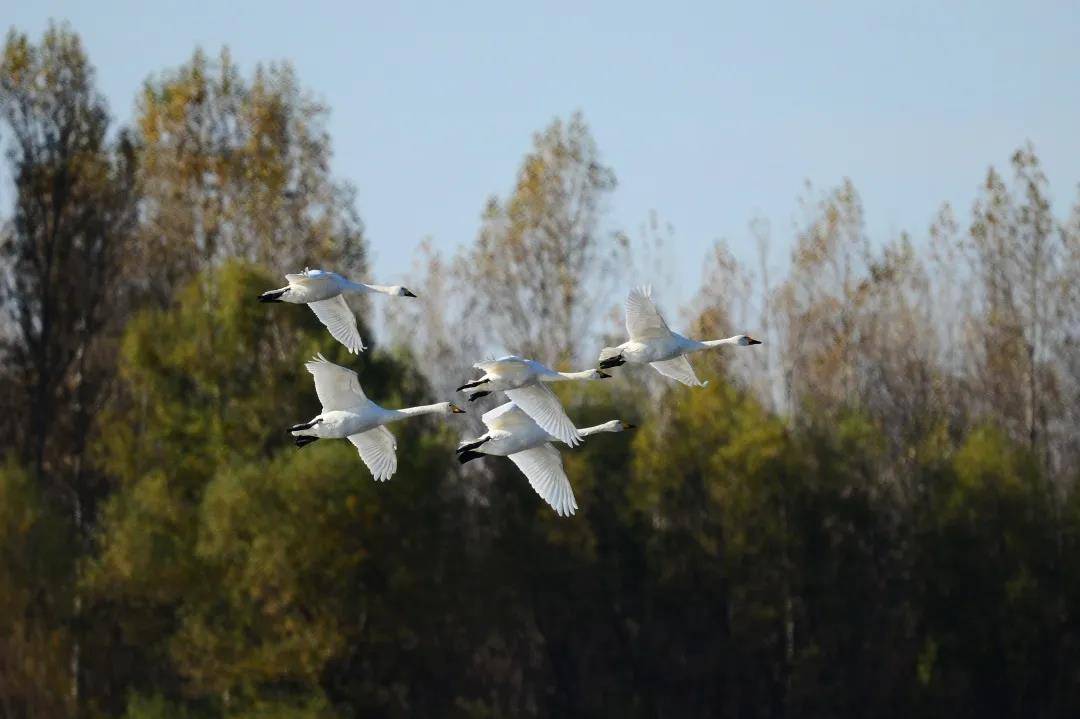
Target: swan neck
x=568, y=376
x=726, y=341
x=371, y=289
x=606, y=427
x=415, y=411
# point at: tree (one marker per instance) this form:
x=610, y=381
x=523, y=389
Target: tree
x=65, y=256
x=64, y=250
x=236, y=168
x=539, y=264
x=36, y=573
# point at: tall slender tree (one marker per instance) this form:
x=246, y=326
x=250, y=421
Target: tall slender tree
x=64, y=252
x=542, y=259
x=236, y=167
x=65, y=247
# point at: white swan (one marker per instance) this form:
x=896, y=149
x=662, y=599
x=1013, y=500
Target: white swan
x=651, y=342
x=347, y=412
x=513, y=434
x=522, y=381
x=324, y=292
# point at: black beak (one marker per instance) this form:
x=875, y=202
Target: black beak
x=406, y=293
x=629, y=426
x=754, y=341
x=603, y=375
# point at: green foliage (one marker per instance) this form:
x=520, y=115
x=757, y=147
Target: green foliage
x=211, y=385
x=35, y=599
x=154, y=707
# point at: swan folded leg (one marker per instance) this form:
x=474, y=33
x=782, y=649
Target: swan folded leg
x=610, y=357
x=305, y=425
x=273, y=295
x=468, y=456
x=303, y=440
x=470, y=385
x=465, y=447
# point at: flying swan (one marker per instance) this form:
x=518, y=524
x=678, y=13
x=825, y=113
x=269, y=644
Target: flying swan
x=324, y=292
x=522, y=381
x=651, y=342
x=347, y=412
x=513, y=434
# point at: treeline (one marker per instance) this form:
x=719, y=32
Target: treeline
x=876, y=514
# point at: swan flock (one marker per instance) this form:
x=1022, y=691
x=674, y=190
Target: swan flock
x=524, y=429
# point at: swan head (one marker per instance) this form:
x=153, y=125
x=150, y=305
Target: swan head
x=747, y=340
x=451, y=408
x=399, y=291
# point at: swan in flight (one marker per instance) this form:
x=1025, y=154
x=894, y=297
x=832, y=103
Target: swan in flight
x=651, y=342
x=522, y=381
x=324, y=292
x=513, y=434
x=347, y=412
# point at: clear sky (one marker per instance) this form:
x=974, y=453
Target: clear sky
x=710, y=113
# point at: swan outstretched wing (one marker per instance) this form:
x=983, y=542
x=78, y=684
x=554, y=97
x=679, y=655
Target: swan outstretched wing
x=508, y=417
x=540, y=403
x=378, y=449
x=643, y=320
x=542, y=466
x=337, y=387
x=340, y=320
x=679, y=369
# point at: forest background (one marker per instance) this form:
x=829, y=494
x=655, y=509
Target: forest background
x=873, y=513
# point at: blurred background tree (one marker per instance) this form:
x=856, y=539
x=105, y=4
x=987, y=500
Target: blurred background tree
x=238, y=168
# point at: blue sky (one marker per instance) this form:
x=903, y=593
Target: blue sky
x=710, y=113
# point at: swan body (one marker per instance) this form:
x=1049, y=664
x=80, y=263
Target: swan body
x=652, y=342
x=513, y=434
x=324, y=292
x=348, y=413
x=523, y=381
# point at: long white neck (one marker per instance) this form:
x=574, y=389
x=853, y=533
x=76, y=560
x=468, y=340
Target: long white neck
x=716, y=343
x=612, y=426
x=570, y=376
x=372, y=289
x=406, y=412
